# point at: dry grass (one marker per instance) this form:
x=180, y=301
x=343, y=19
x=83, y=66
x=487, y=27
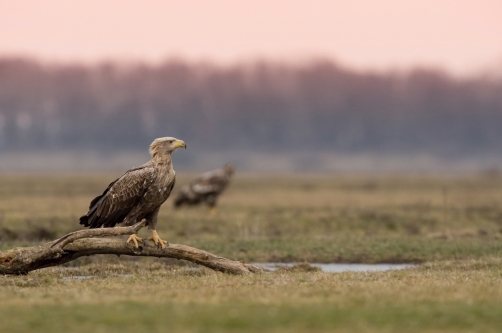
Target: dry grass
x=290, y=218
x=456, y=296
x=157, y=282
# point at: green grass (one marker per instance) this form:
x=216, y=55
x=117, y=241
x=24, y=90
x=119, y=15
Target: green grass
x=451, y=225
x=140, y=317
x=302, y=218
x=306, y=218
x=453, y=296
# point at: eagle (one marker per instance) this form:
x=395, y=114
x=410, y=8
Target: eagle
x=137, y=194
x=205, y=188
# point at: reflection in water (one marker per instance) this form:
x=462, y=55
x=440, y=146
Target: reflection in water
x=339, y=268
x=330, y=268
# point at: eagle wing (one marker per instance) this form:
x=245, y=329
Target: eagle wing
x=119, y=198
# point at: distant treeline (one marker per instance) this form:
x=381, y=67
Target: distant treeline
x=260, y=107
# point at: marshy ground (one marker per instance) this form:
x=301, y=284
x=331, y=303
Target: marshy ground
x=451, y=225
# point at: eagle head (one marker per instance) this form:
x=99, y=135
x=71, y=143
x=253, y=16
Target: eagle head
x=167, y=145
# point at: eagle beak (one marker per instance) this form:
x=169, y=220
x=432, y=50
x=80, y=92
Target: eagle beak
x=180, y=144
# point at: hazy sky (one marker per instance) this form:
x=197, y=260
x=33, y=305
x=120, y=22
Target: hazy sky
x=460, y=35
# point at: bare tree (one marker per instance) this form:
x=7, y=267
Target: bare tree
x=74, y=245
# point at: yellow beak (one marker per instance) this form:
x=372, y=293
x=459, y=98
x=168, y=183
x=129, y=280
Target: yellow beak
x=180, y=144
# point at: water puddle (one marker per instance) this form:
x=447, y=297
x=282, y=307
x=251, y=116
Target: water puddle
x=329, y=268
x=340, y=268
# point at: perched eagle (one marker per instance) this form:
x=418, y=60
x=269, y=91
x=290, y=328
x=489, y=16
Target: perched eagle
x=137, y=194
x=205, y=188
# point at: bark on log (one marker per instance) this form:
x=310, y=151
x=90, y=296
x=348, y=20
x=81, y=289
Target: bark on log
x=22, y=260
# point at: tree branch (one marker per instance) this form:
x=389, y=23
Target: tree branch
x=101, y=232
x=81, y=243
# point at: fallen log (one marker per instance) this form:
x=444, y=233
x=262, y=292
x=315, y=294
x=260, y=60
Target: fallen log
x=81, y=243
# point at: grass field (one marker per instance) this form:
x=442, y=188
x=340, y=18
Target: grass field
x=451, y=225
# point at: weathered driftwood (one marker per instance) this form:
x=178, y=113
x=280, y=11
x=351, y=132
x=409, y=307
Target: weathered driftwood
x=81, y=243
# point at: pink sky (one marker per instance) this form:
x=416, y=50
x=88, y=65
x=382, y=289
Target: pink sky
x=459, y=35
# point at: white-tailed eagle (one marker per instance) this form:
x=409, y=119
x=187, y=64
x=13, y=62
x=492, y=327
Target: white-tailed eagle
x=206, y=188
x=138, y=194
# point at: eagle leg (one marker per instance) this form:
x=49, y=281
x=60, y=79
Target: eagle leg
x=135, y=239
x=156, y=239
x=213, y=211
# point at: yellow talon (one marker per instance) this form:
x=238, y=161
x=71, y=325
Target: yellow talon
x=135, y=239
x=213, y=211
x=156, y=239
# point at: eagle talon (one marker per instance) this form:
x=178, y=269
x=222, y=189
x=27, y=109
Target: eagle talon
x=156, y=239
x=133, y=238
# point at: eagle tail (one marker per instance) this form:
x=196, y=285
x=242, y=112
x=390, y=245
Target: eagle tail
x=90, y=219
x=84, y=220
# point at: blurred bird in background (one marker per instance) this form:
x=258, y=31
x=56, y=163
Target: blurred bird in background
x=206, y=188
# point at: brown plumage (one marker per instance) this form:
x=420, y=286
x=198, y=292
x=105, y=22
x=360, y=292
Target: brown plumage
x=138, y=194
x=206, y=188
